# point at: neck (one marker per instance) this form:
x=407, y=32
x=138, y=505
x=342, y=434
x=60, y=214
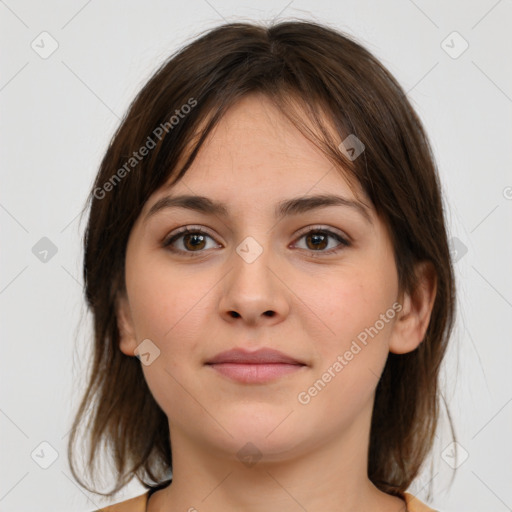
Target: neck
x=331, y=475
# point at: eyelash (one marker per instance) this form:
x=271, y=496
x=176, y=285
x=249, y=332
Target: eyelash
x=167, y=243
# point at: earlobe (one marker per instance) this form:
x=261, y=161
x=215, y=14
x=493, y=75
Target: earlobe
x=413, y=320
x=127, y=338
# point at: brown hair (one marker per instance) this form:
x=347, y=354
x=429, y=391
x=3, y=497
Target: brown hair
x=326, y=74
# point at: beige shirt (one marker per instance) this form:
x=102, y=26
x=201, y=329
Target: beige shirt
x=138, y=504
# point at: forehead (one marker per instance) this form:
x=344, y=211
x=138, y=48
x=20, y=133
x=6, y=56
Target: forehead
x=255, y=154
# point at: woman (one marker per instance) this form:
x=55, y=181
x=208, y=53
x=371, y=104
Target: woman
x=267, y=264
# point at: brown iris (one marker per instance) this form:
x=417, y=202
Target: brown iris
x=317, y=238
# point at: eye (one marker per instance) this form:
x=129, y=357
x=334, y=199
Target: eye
x=193, y=240
x=317, y=239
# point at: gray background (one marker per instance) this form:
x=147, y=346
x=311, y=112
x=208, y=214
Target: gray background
x=58, y=113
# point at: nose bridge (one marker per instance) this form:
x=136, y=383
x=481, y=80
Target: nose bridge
x=252, y=288
x=252, y=260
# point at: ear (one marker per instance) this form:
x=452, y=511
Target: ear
x=412, y=321
x=127, y=338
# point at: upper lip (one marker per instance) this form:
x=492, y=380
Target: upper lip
x=260, y=356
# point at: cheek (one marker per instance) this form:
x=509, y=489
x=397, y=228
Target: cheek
x=164, y=301
x=168, y=308
x=351, y=303
x=350, y=359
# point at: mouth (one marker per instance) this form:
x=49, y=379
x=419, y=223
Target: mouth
x=261, y=366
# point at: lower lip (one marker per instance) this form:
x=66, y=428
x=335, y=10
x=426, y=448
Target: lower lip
x=255, y=373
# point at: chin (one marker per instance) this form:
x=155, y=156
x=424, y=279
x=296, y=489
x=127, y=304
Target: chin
x=271, y=434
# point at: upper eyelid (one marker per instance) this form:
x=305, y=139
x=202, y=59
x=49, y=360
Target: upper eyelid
x=322, y=227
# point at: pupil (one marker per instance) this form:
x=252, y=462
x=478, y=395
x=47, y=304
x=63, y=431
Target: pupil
x=317, y=238
x=198, y=239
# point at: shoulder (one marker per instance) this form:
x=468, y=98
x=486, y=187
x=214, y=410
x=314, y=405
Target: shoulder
x=137, y=504
x=415, y=505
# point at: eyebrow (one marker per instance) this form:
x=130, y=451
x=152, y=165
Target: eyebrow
x=295, y=206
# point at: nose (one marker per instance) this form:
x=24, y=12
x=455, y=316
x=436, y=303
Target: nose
x=254, y=291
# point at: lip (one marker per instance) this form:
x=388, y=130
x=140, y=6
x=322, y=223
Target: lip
x=260, y=366
x=260, y=356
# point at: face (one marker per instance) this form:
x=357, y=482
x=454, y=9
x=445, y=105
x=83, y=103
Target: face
x=319, y=285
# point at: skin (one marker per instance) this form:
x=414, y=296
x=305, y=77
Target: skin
x=313, y=455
